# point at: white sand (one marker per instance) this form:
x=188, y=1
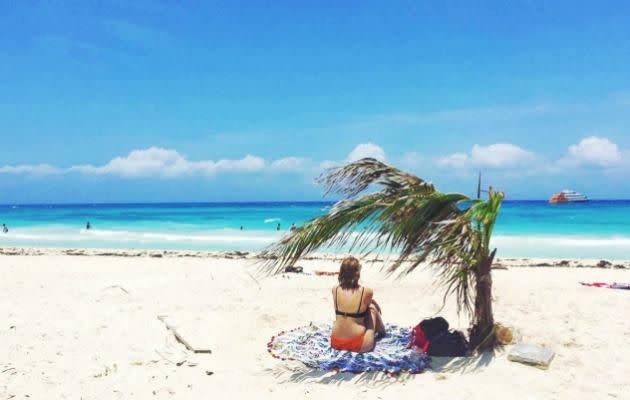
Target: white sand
x=66, y=333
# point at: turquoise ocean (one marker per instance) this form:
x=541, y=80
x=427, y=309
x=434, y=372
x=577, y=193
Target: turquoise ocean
x=597, y=229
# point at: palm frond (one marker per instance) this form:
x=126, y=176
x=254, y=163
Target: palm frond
x=354, y=178
x=407, y=216
x=336, y=229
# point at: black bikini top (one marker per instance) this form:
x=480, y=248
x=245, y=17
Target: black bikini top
x=351, y=315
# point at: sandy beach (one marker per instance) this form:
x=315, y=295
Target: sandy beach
x=87, y=327
x=160, y=158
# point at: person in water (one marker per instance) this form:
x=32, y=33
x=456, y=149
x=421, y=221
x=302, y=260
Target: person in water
x=5, y=229
x=88, y=226
x=278, y=227
x=358, y=320
x=293, y=228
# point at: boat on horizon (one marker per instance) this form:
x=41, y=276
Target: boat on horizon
x=567, y=196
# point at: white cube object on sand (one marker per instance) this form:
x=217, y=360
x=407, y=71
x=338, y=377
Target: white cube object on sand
x=530, y=354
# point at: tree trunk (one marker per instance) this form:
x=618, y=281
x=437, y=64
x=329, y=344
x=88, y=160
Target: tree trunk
x=482, y=333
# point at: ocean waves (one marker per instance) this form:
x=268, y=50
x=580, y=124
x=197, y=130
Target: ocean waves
x=526, y=245
x=600, y=229
x=558, y=246
x=227, y=239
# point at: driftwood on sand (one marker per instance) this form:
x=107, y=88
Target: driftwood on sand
x=180, y=338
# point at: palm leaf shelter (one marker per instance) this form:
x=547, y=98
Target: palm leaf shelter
x=385, y=209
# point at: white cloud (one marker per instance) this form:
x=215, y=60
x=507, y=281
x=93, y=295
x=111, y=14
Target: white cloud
x=248, y=163
x=327, y=164
x=39, y=169
x=146, y=162
x=169, y=163
x=364, y=150
x=289, y=164
x=594, y=150
x=498, y=155
x=156, y=161
x=455, y=160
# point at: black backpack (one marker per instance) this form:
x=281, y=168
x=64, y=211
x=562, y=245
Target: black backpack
x=442, y=342
x=433, y=327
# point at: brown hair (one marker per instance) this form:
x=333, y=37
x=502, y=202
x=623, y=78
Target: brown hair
x=349, y=273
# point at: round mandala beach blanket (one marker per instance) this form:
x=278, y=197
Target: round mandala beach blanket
x=311, y=345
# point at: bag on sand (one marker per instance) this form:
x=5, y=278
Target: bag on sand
x=433, y=337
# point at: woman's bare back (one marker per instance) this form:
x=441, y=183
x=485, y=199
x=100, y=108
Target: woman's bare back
x=351, y=301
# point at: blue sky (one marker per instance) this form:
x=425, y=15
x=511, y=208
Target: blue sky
x=223, y=101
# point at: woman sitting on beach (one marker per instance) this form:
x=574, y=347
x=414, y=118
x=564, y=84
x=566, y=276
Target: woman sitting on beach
x=358, y=321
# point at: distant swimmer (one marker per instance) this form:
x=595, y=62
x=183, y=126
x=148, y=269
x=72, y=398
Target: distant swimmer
x=5, y=229
x=88, y=226
x=278, y=227
x=293, y=228
x=241, y=227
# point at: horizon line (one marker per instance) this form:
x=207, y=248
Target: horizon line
x=243, y=202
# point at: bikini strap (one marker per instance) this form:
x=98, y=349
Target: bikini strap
x=361, y=300
x=336, y=291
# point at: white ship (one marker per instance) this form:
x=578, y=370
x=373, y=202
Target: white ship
x=568, y=196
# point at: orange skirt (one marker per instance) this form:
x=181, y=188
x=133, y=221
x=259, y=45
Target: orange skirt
x=351, y=344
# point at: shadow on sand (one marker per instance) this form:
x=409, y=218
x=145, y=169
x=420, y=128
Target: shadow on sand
x=462, y=364
x=307, y=375
x=302, y=374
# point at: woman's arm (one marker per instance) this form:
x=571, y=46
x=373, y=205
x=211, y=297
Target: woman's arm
x=367, y=297
x=378, y=308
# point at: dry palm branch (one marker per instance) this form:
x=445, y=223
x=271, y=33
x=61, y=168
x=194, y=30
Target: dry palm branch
x=415, y=222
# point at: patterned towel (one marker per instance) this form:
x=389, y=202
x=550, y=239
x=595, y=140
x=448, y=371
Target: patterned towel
x=311, y=345
x=624, y=286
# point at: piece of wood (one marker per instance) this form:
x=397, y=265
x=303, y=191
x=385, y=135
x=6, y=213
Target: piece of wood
x=180, y=338
x=117, y=287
